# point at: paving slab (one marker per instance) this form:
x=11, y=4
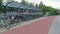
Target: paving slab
x=37, y=27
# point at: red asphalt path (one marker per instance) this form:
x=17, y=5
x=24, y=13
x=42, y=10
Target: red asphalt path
x=38, y=27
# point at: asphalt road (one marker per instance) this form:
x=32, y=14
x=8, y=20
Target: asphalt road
x=55, y=27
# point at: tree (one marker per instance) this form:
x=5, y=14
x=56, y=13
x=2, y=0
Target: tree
x=1, y=4
x=41, y=4
x=31, y=4
x=23, y=2
x=26, y=2
x=9, y=0
x=36, y=5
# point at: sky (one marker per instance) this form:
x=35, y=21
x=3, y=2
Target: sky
x=52, y=3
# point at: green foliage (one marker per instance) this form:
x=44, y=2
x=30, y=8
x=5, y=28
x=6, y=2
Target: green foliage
x=27, y=3
x=36, y=5
x=31, y=4
x=9, y=0
x=41, y=5
x=1, y=4
x=23, y=2
x=48, y=9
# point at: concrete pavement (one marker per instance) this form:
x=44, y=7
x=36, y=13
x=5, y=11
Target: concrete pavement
x=55, y=27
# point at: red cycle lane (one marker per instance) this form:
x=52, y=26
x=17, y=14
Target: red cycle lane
x=38, y=27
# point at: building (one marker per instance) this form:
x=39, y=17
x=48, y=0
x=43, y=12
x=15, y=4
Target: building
x=15, y=8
